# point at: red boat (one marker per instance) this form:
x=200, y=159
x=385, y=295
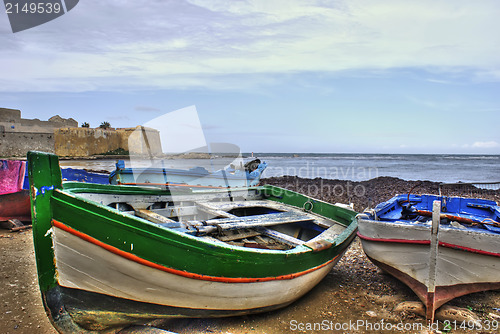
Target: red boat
x=14, y=201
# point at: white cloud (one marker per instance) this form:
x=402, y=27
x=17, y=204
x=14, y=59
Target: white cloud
x=142, y=44
x=146, y=109
x=482, y=145
x=485, y=144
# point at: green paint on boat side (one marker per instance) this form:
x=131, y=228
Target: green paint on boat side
x=44, y=175
x=167, y=247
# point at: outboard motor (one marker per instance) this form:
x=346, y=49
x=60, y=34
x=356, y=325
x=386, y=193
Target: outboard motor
x=252, y=165
x=408, y=212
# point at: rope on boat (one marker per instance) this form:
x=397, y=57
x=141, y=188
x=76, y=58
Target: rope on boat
x=305, y=204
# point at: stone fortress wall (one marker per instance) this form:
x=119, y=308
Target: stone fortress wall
x=83, y=142
x=64, y=138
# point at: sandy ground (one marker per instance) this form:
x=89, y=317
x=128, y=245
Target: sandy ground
x=355, y=291
x=21, y=309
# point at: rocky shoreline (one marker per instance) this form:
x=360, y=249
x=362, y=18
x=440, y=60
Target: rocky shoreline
x=367, y=194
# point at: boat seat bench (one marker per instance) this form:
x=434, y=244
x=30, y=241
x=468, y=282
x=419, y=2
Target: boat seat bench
x=269, y=219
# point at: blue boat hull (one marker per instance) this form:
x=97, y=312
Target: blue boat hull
x=197, y=176
x=79, y=175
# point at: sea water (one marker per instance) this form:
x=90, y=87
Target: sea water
x=361, y=167
x=353, y=167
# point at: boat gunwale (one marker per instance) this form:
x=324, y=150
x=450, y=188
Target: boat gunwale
x=425, y=225
x=398, y=199
x=165, y=231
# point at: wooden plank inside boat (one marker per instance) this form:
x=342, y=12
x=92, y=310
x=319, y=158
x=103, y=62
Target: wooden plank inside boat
x=282, y=237
x=237, y=235
x=213, y=211
x=213, y=225
x=156, y=218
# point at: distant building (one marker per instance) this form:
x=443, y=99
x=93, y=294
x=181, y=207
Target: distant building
x=83, y=142
x=19, y=135
x=64, y=138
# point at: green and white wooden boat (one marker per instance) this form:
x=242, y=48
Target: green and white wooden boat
x=112, y=256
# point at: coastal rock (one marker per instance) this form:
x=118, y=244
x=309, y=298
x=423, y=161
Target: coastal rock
x=417, y=308
x=189, y=155
x=452, y=313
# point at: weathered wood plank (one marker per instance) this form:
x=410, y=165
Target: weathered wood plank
x=318, y=245
x=206, y=207
x=330, y=234
x=226, y=206
x=251, y=221
x=17, y=225
x=144, y=201
x=239, y=235
x=284, y=238
x=156, y=218
x=177, y=211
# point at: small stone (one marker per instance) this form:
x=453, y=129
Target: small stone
x=371, y=314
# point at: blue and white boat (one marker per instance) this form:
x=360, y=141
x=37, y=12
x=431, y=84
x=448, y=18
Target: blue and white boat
x=230, y=176
x=440, y=254
x=78, y=175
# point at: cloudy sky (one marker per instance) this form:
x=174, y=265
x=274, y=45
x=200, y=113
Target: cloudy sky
x=385, y=76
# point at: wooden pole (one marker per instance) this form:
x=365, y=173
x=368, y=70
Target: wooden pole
x=433, y=254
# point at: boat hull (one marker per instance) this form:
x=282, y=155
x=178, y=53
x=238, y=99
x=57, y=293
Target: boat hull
x=195, y=177
x=468, y=260
x=91, y=267
x=92, y=279
x=250, y=281
x=74, y=310
x=15, y=206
